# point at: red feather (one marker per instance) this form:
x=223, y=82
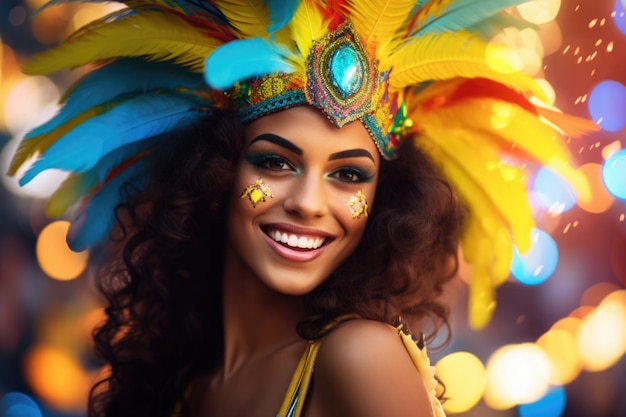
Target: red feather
x=335, y=12
x=482, y=87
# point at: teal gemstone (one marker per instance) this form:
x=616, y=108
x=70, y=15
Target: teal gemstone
x=346, y=71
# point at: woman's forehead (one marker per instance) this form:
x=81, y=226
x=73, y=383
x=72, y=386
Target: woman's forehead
x=309, y=128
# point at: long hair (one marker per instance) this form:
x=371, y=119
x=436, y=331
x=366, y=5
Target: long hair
x=163, y=289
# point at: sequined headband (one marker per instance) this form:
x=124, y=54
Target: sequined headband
x=341, y=80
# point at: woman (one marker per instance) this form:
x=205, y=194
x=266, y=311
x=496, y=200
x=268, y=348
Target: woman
x=282, y=207
x=211, y=260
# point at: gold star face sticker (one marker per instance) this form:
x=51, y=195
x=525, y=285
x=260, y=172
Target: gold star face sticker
x=257, y=192
x=357, y=205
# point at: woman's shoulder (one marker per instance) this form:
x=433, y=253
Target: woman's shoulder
x=358, y=343
x=363, y=369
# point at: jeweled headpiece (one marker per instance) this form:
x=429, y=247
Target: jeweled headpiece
x=421, y=69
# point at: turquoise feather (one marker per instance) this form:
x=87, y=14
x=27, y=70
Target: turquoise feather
x=242, y=59
x=117, y=79
x=281, y=12
x=463, y=14
x=133, y=120
x=189, y=7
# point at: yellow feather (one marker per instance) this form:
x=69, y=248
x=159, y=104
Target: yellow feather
x=250, y=17
x=479, y=177
x=488, y=239
x=482, y=302
x=39, y=144
x=453, y=55
x=306, y=26
x=473, y=160
x=68, y=194
x=152, y=34
x=496, y=124
x=379, y=22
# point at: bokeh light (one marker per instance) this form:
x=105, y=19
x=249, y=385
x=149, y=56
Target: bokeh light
x=607, y=105
x=553, y=192
x=40, y=187
x=601, y=200
x=614, y=173
x=55, y=257
x=562, y=352
x=524, y=51
x=570, y=324
x=602, y=336
x=539, y=262
x=57, y=378
x=619, y=15
x=30, y=101
x=516, y=374
x=539, y=11
x=17, y=404
x=551, y=405
x=465, y=378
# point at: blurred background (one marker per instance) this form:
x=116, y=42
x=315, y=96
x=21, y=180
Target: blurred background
x=556, y=344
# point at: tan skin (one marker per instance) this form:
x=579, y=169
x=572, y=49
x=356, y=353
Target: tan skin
x=362, y=369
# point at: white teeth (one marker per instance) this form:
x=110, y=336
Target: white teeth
x=296, y=241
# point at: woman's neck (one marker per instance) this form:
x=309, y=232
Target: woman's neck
x=257, y=320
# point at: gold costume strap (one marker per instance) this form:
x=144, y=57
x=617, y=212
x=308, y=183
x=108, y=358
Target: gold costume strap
x=299, y=385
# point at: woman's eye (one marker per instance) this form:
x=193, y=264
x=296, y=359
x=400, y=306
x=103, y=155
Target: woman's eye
x=275, y=163
x=349, y=175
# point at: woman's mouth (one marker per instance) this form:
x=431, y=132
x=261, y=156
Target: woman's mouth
x=296, y=241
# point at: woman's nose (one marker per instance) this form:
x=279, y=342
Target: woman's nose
x=307, y=198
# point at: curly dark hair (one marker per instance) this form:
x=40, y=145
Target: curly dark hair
x=162, y=283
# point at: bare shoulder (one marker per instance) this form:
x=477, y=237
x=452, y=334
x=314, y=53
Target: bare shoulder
x=363, y=369
x=357, y=340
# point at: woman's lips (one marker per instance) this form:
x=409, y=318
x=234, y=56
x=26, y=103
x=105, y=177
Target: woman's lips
x=295, y=244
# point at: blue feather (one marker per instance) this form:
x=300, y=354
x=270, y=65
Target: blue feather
x=93, y=223
x=463, y=14
x=281, y=12
x=201, y=7
x=133, y=120
x=57, y=2
x=189, y=7
x=245, y=58
x=121, y=77
x=116, y=157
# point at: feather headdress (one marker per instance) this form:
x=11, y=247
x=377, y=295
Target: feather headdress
x=420, y=69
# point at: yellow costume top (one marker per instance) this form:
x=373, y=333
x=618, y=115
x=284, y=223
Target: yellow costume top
x=296, y=393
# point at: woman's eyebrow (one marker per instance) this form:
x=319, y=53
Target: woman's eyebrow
x=278, y=140
x=351, y=153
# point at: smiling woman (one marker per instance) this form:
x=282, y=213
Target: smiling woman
x=274, y=187
x=251, y=298
x=312, y=173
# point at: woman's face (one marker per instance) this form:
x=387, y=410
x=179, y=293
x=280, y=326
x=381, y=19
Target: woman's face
x=295, y=239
